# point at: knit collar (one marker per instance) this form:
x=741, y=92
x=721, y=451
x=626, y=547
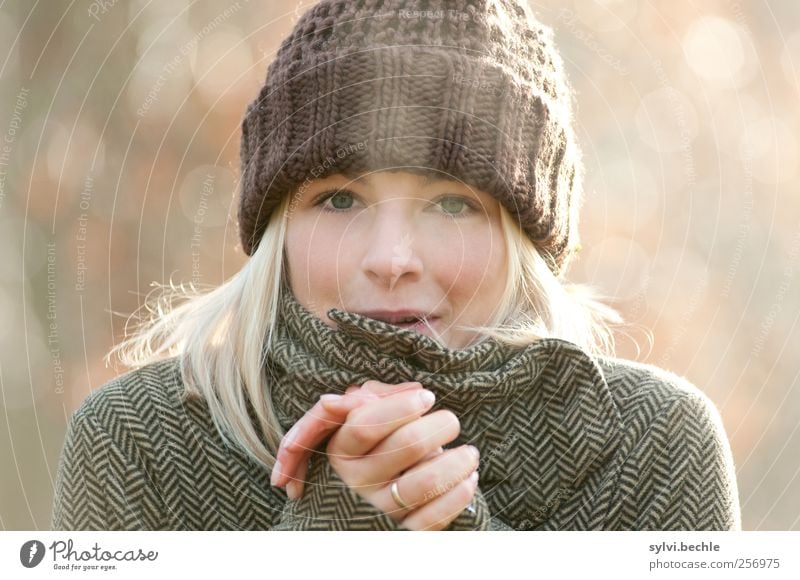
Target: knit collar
x=545, y=408
x=366, y=348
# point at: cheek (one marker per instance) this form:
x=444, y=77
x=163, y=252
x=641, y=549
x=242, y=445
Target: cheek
x=315, y=255
x=473, y=264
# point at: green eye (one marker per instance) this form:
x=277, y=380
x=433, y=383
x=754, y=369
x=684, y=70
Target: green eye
x=457, y=206
x=340, y=201
x=345, y=200
x=453, y=205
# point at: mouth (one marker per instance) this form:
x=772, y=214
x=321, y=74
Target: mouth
x=417, y=324
x=411, y=322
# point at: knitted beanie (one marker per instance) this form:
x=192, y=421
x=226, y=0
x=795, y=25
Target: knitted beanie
x=470, y=90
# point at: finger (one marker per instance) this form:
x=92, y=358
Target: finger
x=407, y=447
x=296, y=485
x=434, y=453
x=304, y=436
x=385, y=389
x=427, y=480
x=368, y=425
x=371, y=387
x=294, y=489
x=382, y=389
x=343, y=404
x=440, y=512
x=313, y=428
x=320, y=421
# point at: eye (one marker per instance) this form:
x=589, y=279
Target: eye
x=454, y=204
x=338, y=201
x=341, y=200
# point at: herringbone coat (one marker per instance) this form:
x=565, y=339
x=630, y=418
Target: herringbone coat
x=569, y=443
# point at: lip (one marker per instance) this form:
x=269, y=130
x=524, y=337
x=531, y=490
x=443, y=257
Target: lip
x=420, y=326
x=394, y=316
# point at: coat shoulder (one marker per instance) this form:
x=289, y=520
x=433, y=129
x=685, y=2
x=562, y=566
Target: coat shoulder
x=631, y=377
x=110, y=454
x=676, y=468
x=644, y=392
x=140, y=409
x=134, y=395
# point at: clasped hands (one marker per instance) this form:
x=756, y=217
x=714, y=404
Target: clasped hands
x=379, y=433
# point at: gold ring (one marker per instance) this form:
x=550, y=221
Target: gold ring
x=396, y=496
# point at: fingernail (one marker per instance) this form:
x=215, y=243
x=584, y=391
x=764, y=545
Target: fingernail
x=473, y=479
x=330, y=398
x=276, y=474
x=474, y=450
x=293, y=490
x=427, y=397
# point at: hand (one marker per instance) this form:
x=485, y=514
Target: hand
x=317, y=425
x=387, y=439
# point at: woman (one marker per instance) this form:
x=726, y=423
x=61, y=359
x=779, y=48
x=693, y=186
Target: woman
x=409, y=203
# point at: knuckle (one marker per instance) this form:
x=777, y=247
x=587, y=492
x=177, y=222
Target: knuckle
x=410, y=442
x=360, y=434
x=335, y=458
x=358, y=427
x=372, y=385
x=359, y=417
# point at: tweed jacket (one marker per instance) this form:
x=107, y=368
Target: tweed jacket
x=570, y=441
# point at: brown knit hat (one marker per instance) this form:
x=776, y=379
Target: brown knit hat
x=468, y=89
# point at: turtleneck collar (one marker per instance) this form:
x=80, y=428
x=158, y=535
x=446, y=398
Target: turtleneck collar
x=543, y=412
x=328, y=360
x=370, y=348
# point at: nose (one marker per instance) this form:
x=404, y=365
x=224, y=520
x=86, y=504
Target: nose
x=391, y=255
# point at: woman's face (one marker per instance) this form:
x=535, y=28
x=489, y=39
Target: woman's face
x=394, y=243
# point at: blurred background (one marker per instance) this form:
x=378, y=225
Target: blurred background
x=119, y=143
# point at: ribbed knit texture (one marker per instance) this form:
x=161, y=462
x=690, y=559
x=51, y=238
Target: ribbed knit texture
x=476, y=93
x=567, y=442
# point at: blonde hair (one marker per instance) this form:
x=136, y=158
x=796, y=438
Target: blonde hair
x=222, y=335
